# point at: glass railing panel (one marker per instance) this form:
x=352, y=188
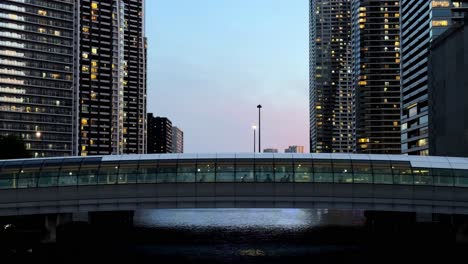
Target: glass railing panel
x=342, y=171
x=88, y=175
x=225, y=171
x=461, y=178
x=362, y=171
x=284, y=170
x=245, y=171
x=205, y=171
x=442, y=177
x=382, y=172
x=108, y=173
x=128, y=172
x=264, y=170
x=323, y=171
x=167, y=171
x=186, y=171
x=147, y=171
x=402, y=173
x=303, y=170
x=422, y=176
x=43, y=181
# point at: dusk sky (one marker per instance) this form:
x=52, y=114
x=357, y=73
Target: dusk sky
x=211, y=62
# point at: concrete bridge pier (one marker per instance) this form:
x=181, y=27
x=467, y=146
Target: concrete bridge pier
x=51, y=222
x=76, y=227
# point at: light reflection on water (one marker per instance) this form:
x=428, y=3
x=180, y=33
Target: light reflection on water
x=250, y=218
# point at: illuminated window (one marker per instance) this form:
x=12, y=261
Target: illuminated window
x=422, y=142
x=85, y=55
x=440, y=23
x=364, y=140
x=94, y=5
x=440, y=4
x=94, y=50
x=94, y=63
x=42, y=12
x=41, y=30
x=85, y=29
x=93, y=76
x=55, y=76
x=84, y=121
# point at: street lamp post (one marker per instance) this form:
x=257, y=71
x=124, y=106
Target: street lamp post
x=259, y=130
x=254, y=128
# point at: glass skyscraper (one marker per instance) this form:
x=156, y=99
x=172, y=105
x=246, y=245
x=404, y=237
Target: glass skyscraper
x=330, y=95
x=36, y=74
x=421, y=22
x=376, y=75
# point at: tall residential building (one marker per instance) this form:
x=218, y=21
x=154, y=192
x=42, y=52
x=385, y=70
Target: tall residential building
x=448, y=80
x=331, y=98
x=36, y=74
x=376, y=74
x=159, y=137
x=111, y=88
x=421, y=22
x=177, y=140
x=294, y=149
x=135, y=78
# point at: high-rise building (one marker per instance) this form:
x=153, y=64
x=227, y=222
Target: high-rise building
x=331, y=98
x=448, y=79
x=177, y=140
x=294, y=149
x=421, y=22
x=36, y=74
x=112, y=78
x=134, y=86
x=159, y=137
x=270, y=150
x=376, y=74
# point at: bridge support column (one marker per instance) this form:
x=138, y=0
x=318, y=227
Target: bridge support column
x=51, y=223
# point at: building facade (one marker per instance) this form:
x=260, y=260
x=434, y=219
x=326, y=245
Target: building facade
x=112, y=77
x=421, y=22
x=294, y=149
x=134, y=86
x=448, y=80
x=376, y=75
x=177, y=140
x=36, y=74
x=159, y=134
x=330, y=95
x=270, y=150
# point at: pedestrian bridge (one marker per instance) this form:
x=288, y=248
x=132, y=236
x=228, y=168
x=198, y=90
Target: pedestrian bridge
x=334, y=181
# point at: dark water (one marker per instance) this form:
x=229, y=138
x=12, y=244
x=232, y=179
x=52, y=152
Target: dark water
x=243, y=236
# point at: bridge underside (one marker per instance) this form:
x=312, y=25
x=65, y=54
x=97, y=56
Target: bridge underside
x=419, y=199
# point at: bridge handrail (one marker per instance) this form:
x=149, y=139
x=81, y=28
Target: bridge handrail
x=95, y=171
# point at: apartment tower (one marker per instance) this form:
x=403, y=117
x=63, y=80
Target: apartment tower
x=421, y=23
x=376, y=75
x=331, y=98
